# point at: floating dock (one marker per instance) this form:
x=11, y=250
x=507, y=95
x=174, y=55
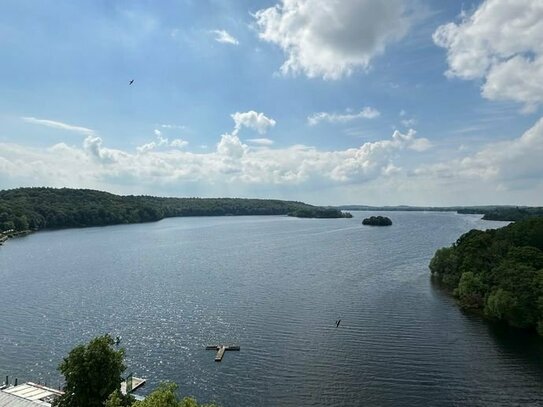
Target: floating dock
x=221, y=349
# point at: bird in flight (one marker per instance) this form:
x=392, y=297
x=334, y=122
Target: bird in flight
x=131, y=82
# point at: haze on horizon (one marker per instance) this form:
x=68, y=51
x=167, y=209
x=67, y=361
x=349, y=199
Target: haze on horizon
x=415, y=102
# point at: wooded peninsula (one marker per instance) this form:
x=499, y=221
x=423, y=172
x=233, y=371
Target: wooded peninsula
x=497, y=272
x=51, y=208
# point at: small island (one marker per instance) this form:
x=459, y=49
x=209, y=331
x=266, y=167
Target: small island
x=377, y=221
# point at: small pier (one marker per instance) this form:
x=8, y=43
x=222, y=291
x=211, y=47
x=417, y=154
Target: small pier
x=220, y=350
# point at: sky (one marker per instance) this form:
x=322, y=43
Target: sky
x=403, y=102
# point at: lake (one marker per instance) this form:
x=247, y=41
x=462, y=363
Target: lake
x=275, y=286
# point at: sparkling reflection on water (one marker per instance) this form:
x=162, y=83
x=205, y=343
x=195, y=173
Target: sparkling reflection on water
x=275, y=286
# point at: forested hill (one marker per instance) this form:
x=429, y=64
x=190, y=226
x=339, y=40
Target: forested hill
x=505, y=213
x=49, y=208
x=489, y=212
x=499, y=272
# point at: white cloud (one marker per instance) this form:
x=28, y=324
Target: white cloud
x=331, y=38
x=173, y=126
x=389, y=170
x=504, y=163
x=93, y=146
x=179, y=143
x=159, y=142
x=365, y=113
x=224, y=37
x=232, y=163
x=231, y=146
x=500, y=43
x=146, y=147
x=252, y=120
x=260, y=141
x=57, y=125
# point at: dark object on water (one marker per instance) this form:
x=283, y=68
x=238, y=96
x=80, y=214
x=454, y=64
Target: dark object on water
x=338, y=322
x=131, y=82
x=377, y=221
x=117, y=340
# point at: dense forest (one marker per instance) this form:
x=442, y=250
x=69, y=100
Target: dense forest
x=50, y=208
x=498, y=272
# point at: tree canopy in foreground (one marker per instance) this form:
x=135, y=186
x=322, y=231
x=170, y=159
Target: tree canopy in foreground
x=93, y=375
x=166, y=395
x=498, y=272
x=92, y=372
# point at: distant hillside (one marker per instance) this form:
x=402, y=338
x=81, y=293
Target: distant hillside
x=51, y=208
x=506, y=213
x=489, y=212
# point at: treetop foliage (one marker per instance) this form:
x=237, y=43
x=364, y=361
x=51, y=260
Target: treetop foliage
x=377, y=221
x=498, y=272
x=93, y=379
x=92, y=372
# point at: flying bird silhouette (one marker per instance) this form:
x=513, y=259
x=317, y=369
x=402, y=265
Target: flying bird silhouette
x=131, y=82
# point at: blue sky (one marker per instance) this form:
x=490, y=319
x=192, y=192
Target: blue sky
x=331, y=102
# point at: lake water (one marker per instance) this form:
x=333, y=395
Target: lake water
x=275, y=286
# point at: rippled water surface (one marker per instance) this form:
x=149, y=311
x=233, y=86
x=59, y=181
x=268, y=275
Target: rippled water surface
x=275, y=286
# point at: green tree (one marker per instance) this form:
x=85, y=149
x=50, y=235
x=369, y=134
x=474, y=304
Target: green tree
x=166, y=396
x=470, y=290
x=92, y=372
x=21, y=222
x=500, y=304
x=444, y=264
x=117, y=399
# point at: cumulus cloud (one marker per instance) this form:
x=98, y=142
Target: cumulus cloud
x=93, y=146
x=57, y=125
x=224, y=37
x=231, y=163
x=260, y=141
x=179, y=143
x=331, y=38
x=390, y=170
x=252, y=120
x=504, y=163
x=231, y=146
x=499, y=42
x=161, y=142
x=365, y=113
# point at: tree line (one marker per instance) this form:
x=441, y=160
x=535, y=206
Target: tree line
x=497, y=272
x=51, y=208
x=505, y=213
